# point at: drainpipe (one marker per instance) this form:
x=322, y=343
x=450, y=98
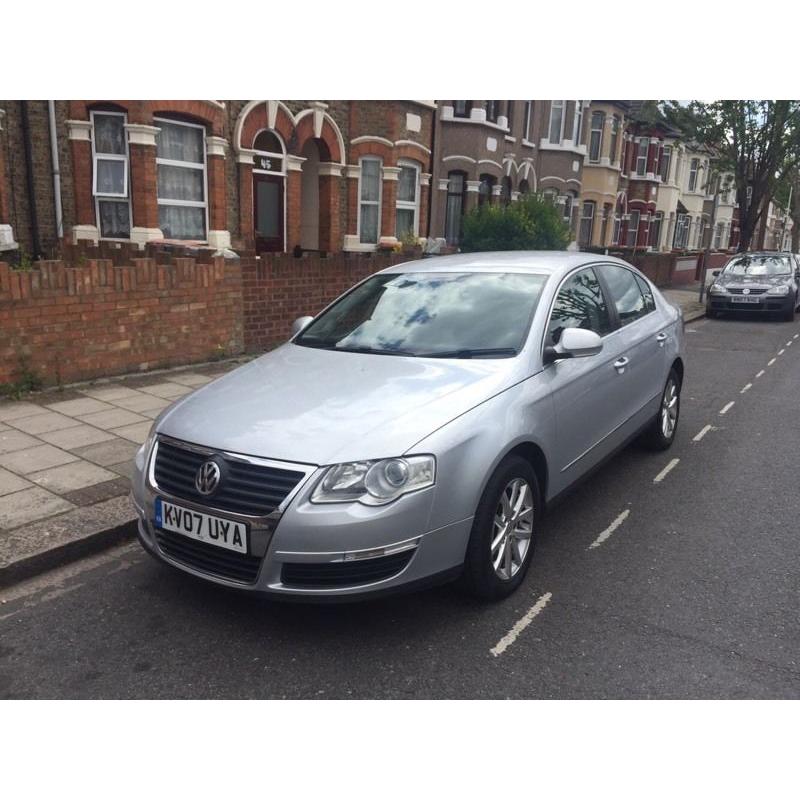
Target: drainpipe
x=51, y=111
x=34, y=219
x=434, y=172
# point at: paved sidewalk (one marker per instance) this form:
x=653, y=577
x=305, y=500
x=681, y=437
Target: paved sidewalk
x=66, y=459
x=685, y=296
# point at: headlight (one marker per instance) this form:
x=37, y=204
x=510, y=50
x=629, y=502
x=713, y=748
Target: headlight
x=715, y=288
x=778, y=289
x=375, y=483
x=144, y=451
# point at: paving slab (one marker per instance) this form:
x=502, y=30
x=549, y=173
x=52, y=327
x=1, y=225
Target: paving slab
x=114, y=451
x=44, y=422
x=124, y=468
x=4, y=427
x=16, y=440
x=90, y=495
x=34, y=548
x=79, y=436
x=82, y=405
x=152, y=414
x=22, y=409
x=30, y=505
x=136, y=433
x=68, y=477
x=192, y=379
x=109, y=393
x=9, y=482
x=115, y=418
x=142, y=402
x=35, y=459
x=167, y=390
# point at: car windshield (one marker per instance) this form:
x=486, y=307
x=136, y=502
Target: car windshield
x=437, y=314
x=759, y=265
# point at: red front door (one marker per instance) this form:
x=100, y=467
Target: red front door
x=268, y=213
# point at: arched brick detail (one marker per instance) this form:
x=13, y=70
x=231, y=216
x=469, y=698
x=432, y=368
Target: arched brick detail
x=141, y=112
x=328, y=140
x=378, y=149
x=256, y=120
x=413, y=154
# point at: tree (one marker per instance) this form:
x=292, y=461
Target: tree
x=530, y=223
x=756, y=140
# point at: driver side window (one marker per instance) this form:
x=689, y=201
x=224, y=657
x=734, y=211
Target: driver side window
x=579, y=304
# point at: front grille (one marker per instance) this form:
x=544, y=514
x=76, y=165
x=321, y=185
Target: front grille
x=344, y=573
x=735, y=290
x=244, y=488
x=208, y=558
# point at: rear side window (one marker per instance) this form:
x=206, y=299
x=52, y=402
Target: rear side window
x=625, y=293
x=579, y=304
x=647, y=293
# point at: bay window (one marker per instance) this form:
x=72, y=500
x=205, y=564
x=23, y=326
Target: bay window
x=526, y=122
x=556, y=128
x=693, y=167
x=462, y=108
x=181, y=179
x=485, y=189
x=407, y=212
x=369, y=200
x=655, y=230
x=615, y=124
x=641, y=156
x=633, y=229
x=456, y=186
x=666, y=158
x=681, y=238
x=111, y=174
x=577, y=122
x=587, y=222
x=491, y=110
x=596, y=136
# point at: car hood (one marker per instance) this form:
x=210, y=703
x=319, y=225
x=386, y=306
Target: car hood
x=753, y=281
x=323, y=407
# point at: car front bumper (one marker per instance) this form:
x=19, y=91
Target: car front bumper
x=318, y=551
x=765, y=303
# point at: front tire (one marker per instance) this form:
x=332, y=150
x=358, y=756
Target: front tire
x=788, y=314
x=501, y=544
x=661, y=433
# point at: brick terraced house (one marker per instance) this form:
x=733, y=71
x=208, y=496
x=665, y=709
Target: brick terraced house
x=259, y=175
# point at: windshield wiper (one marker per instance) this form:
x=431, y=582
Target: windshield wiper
x=330, y=344
x=473, y=352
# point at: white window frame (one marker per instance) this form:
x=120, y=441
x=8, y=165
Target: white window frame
x=694, y=169
x=640, y=157
x=631, y=229
x=378, y=202
x=656, y=221
x=592, y=131
x=171, y=162
x=666, y=161
x=98, y=197
x=526, y=120
x=407, y=204
x=560, y=104
x=591, y=205
x=577, y=122
x=616, y=126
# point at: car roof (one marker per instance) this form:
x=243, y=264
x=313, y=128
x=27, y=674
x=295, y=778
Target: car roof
x=547, y=262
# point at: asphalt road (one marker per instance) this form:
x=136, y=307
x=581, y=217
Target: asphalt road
x=694, y=593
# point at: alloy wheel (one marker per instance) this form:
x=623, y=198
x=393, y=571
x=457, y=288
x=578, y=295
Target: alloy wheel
x=669, y=409
x=512, y=529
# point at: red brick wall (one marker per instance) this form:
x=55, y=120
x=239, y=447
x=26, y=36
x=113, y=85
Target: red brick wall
x=80, y=323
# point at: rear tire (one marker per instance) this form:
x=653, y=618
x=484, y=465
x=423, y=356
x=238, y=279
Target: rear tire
x=788, y=315
x=661, y=433
x=501, y=544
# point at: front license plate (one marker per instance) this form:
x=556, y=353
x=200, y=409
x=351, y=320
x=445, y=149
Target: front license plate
x=745, y=298
x=201, y=527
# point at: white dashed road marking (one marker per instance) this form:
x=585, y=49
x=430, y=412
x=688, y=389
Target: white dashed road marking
x=664, y=472
x=702, y=433
x=520, y=625
x=781, y=352
x=760, y=374
x=789, y=343
x=726, y=408
x=770, y=362
x=610, y=529
x=746, y=387
x=796, y=335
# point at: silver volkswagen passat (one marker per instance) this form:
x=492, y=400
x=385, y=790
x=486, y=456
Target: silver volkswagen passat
x=415, y=430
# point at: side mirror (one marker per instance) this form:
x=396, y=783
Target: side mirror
x=716, y=272
x=575, y=343
x=300, y=324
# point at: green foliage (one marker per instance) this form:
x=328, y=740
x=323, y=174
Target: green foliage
x=24, y=262
x=530, y=223
x=28, y=380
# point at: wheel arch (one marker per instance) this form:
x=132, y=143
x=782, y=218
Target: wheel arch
x=535, y=456
x=677, y=365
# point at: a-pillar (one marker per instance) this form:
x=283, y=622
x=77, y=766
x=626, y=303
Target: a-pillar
x=79, y=132
x=6, y=231
x=330, y=177
x=246, y=221
x=143, y=183
x=294, y=200
x=218, y=234
x=391, y=176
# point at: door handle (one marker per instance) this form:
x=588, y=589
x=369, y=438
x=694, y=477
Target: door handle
x=661, y=338
x=620, y=364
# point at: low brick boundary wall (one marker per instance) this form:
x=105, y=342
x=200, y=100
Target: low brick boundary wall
x=77, y=323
